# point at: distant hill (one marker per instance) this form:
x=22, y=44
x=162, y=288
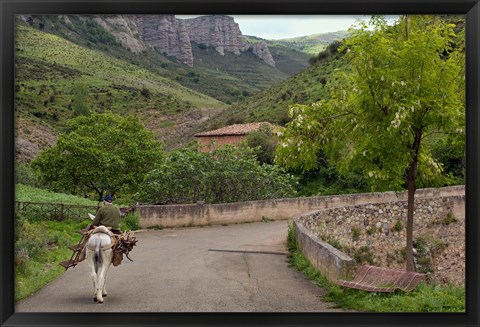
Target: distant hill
x=271, y=105
x=312, y=44
x=287, y=59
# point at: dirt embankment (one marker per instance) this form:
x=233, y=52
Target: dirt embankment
x=30, y=138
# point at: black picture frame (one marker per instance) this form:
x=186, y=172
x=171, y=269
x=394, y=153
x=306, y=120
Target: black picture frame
x=10, y=8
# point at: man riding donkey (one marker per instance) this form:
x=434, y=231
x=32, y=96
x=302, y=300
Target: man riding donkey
x=109, y=216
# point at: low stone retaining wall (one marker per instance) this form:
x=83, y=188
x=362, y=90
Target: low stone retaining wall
x=331, y=262
x=251, y=211
x=375, y=233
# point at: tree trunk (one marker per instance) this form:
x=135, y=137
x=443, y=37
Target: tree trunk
x=411, y=179
x=411, y=200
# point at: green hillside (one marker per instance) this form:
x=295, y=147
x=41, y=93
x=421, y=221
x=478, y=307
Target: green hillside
x=49, y=70
x=272, y=104
x=287, y=60
x=312, y=44
x=228, y=78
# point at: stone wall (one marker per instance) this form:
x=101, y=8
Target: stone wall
x=375, y=233
x=250, y=211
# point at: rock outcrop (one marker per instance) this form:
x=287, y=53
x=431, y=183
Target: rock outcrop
x=167, y=35
x=220, y=32
x=261, y=50
x=125, y=30
x=172, y=37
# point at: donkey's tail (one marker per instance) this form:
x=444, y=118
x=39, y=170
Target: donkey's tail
x=98, y=258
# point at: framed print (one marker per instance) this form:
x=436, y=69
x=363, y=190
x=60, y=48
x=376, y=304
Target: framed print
x=177, y=94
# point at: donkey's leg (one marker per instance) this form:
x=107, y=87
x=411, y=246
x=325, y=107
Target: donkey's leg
x=104, y=289
x=107, y=259
x=93, y=274
x=101, y=283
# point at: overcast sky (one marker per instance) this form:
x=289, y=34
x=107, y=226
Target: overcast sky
x=281, y=27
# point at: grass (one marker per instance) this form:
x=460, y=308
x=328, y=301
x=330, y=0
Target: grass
x=39, y=248
x=26, y=193
x=425, y=298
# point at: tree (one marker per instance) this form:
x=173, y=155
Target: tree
x=263, y=143
x=230, y=174
x=403, y=84
x=101, y=153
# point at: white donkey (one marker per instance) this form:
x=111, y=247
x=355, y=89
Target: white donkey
x=99, y=255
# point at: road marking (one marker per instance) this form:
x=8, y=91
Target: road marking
x=247, y=251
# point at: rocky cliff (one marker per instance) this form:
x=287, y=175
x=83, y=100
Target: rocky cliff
x=261, y=50
x=220, y=32
x=124, y=29
x=172, y=37
x=167, y=35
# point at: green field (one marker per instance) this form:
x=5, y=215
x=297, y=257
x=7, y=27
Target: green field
x=28, y=193
x=312, y=44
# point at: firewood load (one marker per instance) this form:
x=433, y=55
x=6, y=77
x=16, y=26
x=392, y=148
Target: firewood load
x=124, y=243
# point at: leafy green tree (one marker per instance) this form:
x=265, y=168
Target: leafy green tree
x=263, y=142
x=230, y=174
x=101, y=153
x=404, y=83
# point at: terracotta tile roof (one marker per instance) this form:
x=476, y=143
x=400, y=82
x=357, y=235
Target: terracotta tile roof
x=236, y=129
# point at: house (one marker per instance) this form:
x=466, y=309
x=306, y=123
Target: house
x=229, y=135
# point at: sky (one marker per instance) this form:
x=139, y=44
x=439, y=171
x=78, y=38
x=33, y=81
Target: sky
x=279, y=27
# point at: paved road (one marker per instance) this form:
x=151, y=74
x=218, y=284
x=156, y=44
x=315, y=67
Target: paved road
x=175, y=270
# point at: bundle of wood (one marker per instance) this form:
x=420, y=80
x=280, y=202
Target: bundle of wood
x=124, y=243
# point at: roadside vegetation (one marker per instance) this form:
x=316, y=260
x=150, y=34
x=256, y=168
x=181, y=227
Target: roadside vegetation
x=39, y=247
x=231, y=174
x=27, y=193
x=425, y=298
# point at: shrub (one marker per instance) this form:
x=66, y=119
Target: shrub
x=130, y=222
x=230, y=174
x=263, y=144
x=364, y=254
x=146, y=93
x=24, y=174
x=398, y=226
x=29, y=241
x=449, y=219
x=355, y=233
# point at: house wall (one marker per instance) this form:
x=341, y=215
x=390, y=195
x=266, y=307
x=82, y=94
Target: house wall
x=209, y=143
